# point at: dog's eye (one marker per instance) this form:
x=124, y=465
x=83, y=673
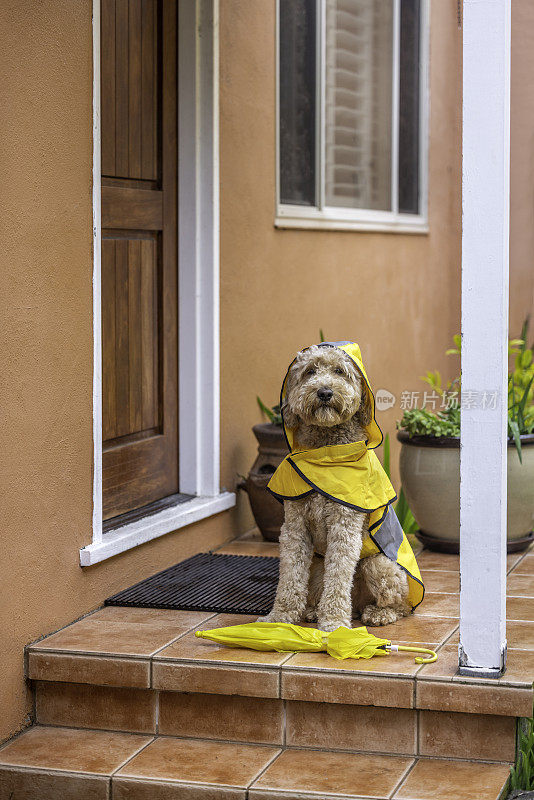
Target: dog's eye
x=311, y=371
x=338, y=371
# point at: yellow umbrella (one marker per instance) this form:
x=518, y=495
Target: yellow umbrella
x=341, y=643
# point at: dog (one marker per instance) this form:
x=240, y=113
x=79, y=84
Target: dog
x=328, y=402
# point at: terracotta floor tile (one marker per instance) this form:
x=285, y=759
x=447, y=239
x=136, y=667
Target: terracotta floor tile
x=198, y=761
x=214, y=716
x=525, y=565
x=189, y=648
x=349, y=727
x=519, y=668
x=512, y=559
x=480, y=737
x=473, y=697
x=432, y=779
x=318, y=774
x=445, y=667
x=181, y=676
x=128, y=631
x=417, y=628
x=520, y=635
x=103, y=707
x=520, y=585
x=103, y=670
x=436, y=581
x=96, y=752
x=347, y=687
x=18, y=783
x=438, y=604
x=146, y=789
x=439, y=561
x=520, y=608
x=250, y=548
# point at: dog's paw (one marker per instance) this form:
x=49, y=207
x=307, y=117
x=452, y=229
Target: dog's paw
x=329, y=625
x=372, y=615
x=274, y=617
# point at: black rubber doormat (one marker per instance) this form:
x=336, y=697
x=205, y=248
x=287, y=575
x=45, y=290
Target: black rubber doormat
x=208, y=582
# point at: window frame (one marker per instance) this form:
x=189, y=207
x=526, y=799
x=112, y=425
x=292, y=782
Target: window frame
x=323, y=217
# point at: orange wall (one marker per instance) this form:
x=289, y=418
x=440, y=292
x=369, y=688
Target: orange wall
x=46, y=355
x=396, y=294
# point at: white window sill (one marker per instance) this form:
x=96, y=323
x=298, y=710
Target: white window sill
x=308, y=218
x=144, y=530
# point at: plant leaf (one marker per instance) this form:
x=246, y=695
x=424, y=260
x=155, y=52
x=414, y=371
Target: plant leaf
x=514, y=428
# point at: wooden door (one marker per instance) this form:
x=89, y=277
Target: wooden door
x=139, y=253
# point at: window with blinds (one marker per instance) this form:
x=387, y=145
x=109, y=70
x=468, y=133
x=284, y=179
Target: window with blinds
x=352, y=77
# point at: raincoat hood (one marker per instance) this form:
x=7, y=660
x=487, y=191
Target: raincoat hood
x=352, y=475
x=374, y=434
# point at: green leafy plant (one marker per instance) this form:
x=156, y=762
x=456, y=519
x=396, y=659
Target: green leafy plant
x=522, y=774
x=273, y=414
x=446, y=422
x=420, y=422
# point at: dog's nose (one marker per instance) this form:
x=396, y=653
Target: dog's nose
x=324, y=394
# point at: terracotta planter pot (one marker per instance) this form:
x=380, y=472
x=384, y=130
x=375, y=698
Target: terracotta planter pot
x=272, y=449
x=430, y=476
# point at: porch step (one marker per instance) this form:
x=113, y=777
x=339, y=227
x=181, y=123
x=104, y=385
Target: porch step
x=157, y=649
x=45, y=763
x=277, y=722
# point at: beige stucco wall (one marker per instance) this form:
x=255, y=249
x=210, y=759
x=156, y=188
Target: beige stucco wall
x=397, y=295
x=46, y=353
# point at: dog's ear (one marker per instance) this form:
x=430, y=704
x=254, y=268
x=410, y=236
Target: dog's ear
x=365, y=411
x=290, y=418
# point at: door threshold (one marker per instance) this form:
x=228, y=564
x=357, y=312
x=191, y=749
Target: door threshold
x=145, y=511
x=132, y=534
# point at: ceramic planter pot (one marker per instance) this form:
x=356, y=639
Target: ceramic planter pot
x=272, y=449
x=430, y=476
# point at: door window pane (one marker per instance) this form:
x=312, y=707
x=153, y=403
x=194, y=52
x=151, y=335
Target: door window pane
x=358, y=102
x=297, y=101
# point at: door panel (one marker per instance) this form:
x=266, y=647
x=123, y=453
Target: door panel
x=139, y=247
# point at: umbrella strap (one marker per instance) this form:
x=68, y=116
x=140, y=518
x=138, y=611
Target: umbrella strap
x=394, y=648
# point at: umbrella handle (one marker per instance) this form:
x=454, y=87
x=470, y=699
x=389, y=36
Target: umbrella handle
x=433, y=657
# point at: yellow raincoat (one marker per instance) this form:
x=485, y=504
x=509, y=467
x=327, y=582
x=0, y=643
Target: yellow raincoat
x=352, y=475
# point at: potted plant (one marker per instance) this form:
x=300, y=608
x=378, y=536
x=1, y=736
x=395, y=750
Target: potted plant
x=430, y=456
x=272, y=449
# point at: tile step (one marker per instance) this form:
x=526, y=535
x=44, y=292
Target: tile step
x=277, y=722
x=157, y=649
x=45, y=763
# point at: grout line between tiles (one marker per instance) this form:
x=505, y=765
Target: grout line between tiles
x=404, y=777
x=51, y=771
x=263, y=770
x=181, y=635
x=127, y=760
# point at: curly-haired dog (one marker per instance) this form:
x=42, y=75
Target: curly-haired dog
x=326, y=402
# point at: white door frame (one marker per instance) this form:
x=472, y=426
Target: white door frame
x=198, y=313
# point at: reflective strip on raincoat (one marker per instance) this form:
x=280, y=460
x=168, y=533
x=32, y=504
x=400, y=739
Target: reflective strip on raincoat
x=352, y=475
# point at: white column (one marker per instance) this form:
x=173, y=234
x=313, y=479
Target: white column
x=485, y=233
